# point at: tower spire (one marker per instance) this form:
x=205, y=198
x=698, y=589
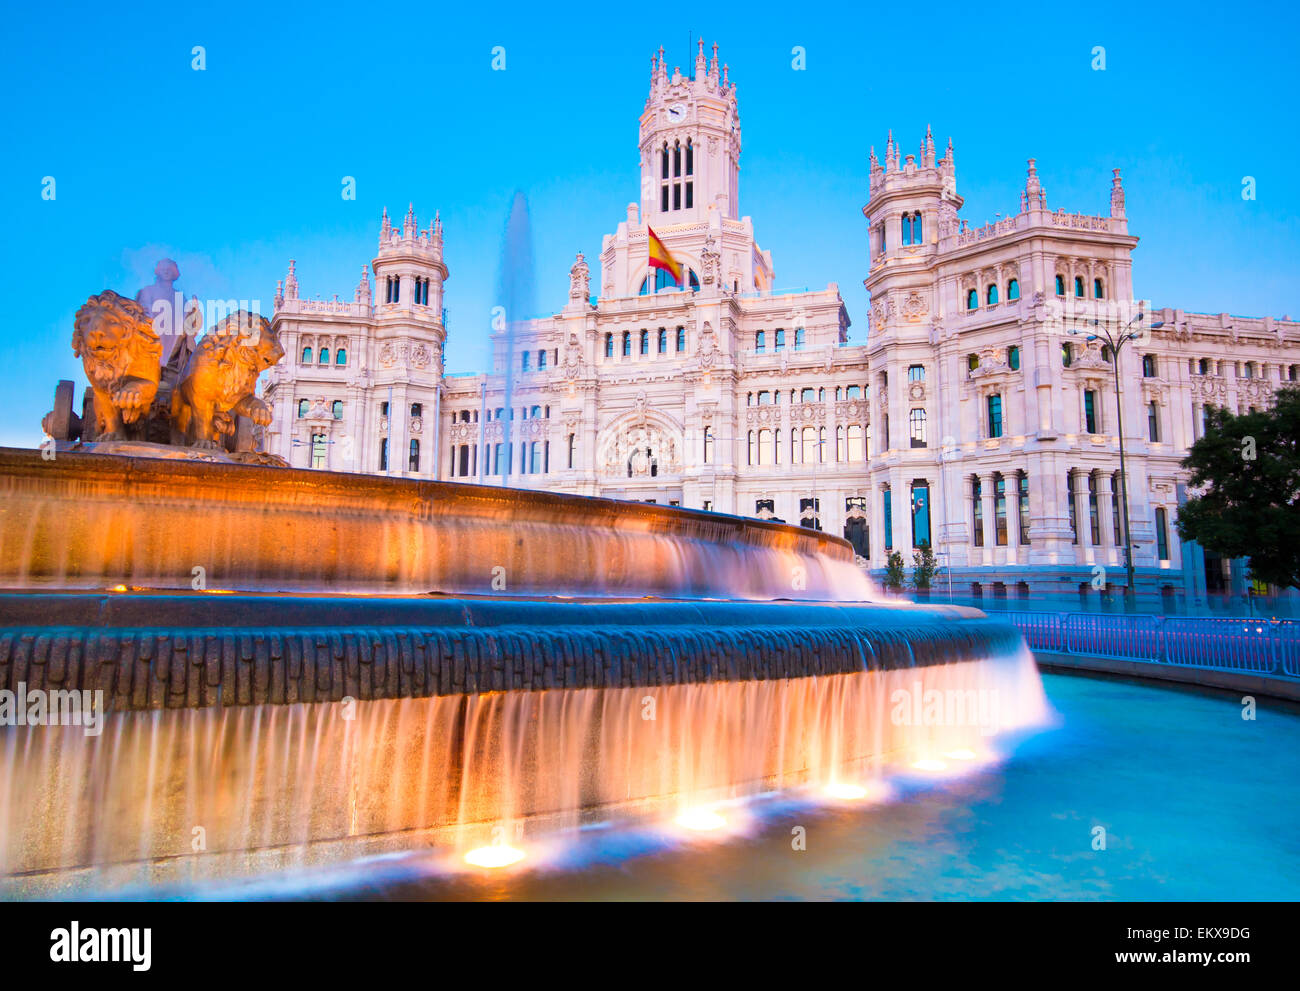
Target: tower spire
x=1116, y=195
x=713, y=63
x=700, y=70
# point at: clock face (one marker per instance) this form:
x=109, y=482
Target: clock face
x=676, y=112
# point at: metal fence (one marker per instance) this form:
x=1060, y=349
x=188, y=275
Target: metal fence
x=1255, y=646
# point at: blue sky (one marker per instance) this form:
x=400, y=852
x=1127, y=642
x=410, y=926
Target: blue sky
x=235, y=169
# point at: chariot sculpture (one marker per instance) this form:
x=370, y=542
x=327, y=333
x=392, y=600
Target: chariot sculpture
x=198, y=401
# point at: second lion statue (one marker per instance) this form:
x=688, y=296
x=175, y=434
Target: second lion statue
x=220, y=378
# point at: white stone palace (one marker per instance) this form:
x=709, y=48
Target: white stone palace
x=979, y=416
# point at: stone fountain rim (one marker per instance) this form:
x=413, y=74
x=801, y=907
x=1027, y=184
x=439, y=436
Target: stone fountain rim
x=19, y=462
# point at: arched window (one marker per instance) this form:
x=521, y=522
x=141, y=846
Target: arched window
x=798, y=338
x=1067, y=355
x=779, y=344
x=337, y=409
x=972, y=300
x=645, y=342
x=663, y=341
x=692, y=279
x=341, y=356
x=1013, y=290
x=972, y=362
x=417, y=411
x=324, y=356
x=1078, y=286
x=1203, y=366
x=627, y=344
x=1097, y=292
x=764, y=446
x=1060, y=285
x=760, y=342
x=916, y=228
x=303, y=407
x=1149, y=366
x=906, y=237
x=856, y=451
x=609, y=345
x=319, y=450
x=306, y=355
x=681, y=338
x=413, y=463
x=991, y=294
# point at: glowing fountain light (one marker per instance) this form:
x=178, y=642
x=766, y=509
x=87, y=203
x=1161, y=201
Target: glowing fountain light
x=846, y=792
x=700, y=820
x=494, y=856
x=961, y=755
x=930, y=764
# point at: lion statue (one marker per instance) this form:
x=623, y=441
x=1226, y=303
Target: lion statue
x=120, y=352
x=220, y=377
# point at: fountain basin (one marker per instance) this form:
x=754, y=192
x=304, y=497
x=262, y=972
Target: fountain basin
x=98, y=521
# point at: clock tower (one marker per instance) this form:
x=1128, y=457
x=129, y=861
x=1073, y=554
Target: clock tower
x=690, y=144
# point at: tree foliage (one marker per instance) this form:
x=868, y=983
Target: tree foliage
x=1247, y=470
x=924, y=567
x=894, y=574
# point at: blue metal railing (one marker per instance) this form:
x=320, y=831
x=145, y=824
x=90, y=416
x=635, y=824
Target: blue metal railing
x=1268, y=647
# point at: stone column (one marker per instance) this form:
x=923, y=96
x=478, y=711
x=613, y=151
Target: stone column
x=1082, y=516
x=1107, y=499
x=990, y=523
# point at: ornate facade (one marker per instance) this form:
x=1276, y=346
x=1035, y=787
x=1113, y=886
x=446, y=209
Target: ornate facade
x=979, y=416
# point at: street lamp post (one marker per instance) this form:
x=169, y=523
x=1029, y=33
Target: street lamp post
x=1116, y=343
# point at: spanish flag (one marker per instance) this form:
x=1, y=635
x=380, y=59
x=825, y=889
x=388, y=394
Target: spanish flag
x=660, y=257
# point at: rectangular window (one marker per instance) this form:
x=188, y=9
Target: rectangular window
x=677, y=196
x=916, y=420
x=920, y=514
x=1089, y=411
x=1000, y=510
x=1074, y=514
x=1115, y=509
x=1023, y=486
x=977, y=512
x=916, y=373
x=1162, y=533
x=887, y=504
x=663, y=199
x=383, y=454
x=318, y=450
x=413, y=462
x=690, y=195
x=995, y=416
x=1094, y=523
x=1153, y=422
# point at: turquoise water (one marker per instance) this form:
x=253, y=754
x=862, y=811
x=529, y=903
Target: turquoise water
x=1196, y=803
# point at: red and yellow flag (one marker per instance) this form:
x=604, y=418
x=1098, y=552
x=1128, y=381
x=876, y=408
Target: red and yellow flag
x=660, y=257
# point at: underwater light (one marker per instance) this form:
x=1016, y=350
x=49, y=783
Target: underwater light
x=496, y=855
x=700, y=820
x=846, y=792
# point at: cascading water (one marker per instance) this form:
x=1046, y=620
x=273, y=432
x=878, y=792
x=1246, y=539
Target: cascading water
x=249, y=733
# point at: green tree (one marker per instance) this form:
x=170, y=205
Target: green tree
x=1247, y=469
x=924, y=567
x=894, y=575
